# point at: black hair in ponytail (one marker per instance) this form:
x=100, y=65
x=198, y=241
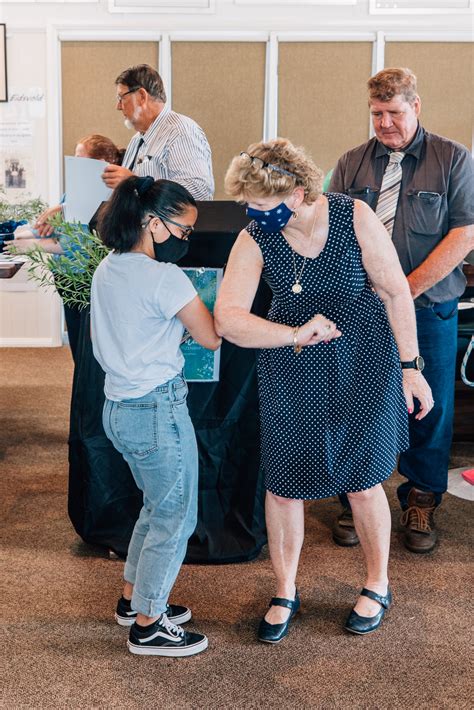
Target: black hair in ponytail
x=121, y=218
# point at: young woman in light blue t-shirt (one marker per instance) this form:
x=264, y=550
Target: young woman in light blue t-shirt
x=141, y=302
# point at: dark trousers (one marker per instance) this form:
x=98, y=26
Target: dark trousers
x=425, y=463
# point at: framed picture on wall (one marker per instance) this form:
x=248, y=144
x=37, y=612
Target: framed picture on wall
x=3, y=63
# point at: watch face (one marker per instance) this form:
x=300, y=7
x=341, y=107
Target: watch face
x=419, y=363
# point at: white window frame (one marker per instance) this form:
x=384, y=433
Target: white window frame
x=55, y=2
x=377, y=54
x=375, y=10
x=223, y=36
x=423, y=37
x=55, y=35
x=295, y=2
x=58, y=34
x=167, y=7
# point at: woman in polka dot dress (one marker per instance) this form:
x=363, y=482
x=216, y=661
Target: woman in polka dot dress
x=334, y=399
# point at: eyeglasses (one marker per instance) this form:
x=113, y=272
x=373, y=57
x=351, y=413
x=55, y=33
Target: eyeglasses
x=186, y=229
x=261, y=164
x=120, y=97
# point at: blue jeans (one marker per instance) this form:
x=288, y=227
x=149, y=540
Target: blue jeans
x=156, y=437
x=425, y=463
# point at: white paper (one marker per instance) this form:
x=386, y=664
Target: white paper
x=85, y=189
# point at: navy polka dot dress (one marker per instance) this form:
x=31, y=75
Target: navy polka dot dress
x=333, y=417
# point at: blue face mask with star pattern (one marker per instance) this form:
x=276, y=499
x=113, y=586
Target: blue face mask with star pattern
x=273, y=220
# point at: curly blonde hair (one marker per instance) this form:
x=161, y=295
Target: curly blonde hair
x=245, y=179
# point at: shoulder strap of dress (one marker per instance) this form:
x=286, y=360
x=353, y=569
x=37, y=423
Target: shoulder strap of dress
x=254, y=231
x=340, y=206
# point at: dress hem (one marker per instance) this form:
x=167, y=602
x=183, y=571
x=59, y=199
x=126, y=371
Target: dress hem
x=336, y=493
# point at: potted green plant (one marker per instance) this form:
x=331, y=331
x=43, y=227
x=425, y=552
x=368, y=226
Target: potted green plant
x=71, y=273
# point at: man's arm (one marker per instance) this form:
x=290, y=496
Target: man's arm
x=459, y=240
x=450, y=252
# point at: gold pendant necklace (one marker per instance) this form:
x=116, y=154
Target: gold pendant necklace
x=297, y=287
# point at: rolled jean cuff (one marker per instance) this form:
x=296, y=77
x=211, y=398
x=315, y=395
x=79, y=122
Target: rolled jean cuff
x=148, y=607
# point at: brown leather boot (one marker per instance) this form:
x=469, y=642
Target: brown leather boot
x=418, y=521
x=343, y=530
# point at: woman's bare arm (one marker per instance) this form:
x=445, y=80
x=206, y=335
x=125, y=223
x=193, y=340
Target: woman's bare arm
x=21, y=246
x=381, y=262
x=232, y=312
x=200, y=324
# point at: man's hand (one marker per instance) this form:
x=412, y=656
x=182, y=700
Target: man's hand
x=114, y=174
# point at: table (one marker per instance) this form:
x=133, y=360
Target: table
x=103, y=501
x=8, y=269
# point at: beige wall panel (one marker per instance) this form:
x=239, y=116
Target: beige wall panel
x=322, y=96
x=89, y=70
x=221, y=85
x=445, y=84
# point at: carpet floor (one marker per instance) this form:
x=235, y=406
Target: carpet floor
x=62, y=649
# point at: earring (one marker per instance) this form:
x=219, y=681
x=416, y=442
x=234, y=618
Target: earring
x=295, y=214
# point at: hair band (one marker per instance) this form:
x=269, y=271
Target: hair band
x=143, y=184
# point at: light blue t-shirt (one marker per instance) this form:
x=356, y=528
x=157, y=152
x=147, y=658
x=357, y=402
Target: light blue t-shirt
x=135, y=332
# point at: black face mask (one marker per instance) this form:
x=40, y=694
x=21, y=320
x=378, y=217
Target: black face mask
x=171, y=250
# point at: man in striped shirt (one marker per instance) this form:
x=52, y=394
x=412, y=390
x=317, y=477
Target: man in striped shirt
x=167, y=144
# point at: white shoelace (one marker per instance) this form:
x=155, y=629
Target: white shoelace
x=171, y=628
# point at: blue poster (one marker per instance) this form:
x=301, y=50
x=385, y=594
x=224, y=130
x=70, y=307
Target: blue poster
x=202, y=365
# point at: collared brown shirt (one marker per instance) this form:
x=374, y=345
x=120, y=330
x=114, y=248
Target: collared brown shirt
x=436, y=195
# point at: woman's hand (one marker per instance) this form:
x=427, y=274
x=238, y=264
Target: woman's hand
x=19, y=246
x=42, y=222
x=415, y=386
x=317, y=330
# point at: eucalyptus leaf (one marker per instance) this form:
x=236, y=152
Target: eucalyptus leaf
x=71, y=274
x=17, y=212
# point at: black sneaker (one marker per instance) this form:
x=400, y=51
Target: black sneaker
x=163, y=638
x=125, y=616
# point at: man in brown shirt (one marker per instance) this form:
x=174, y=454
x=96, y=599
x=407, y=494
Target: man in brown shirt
x=430, y=214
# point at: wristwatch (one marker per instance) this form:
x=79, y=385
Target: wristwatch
x=417, y=364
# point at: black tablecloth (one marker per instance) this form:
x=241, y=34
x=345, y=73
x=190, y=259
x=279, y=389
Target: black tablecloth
x=103, y=500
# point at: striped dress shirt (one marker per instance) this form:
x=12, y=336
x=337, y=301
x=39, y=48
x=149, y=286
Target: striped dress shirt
x=175, y=148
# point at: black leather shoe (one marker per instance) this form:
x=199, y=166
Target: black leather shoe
x=274, y=633
x=357, y=624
